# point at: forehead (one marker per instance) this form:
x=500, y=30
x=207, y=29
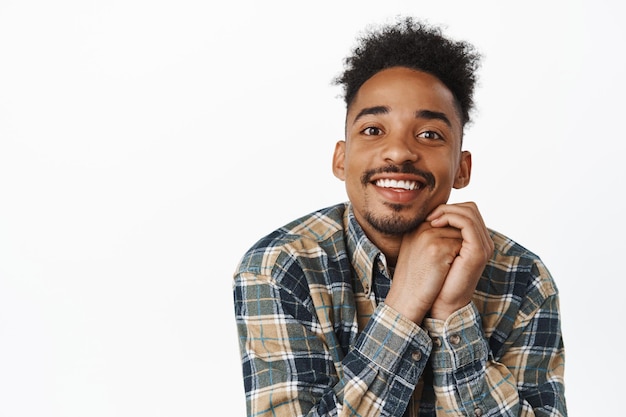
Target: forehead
x=404, y=89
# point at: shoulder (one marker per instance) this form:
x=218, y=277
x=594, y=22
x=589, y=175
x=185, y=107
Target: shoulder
x=514, y=264
x=307, y=240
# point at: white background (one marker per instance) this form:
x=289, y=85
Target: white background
x=144, y=145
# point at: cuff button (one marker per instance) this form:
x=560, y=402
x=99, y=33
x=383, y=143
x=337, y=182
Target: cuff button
x=455, y=339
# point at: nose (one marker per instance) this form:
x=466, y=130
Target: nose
x=399, y=148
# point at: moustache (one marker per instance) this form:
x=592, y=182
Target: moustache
x=429, y=179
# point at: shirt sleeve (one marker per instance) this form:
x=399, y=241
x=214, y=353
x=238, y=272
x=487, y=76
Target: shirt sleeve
x=291, y=366
x=527, y=379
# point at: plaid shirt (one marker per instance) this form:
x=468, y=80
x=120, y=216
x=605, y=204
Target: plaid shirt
x=317, y=339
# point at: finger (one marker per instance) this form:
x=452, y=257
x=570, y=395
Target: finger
x=469, y=208
x=466, y=218
x=456, y=215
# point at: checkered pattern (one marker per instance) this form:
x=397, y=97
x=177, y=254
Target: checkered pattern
x=317, y=339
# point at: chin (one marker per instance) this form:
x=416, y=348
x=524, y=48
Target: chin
x=393, y=225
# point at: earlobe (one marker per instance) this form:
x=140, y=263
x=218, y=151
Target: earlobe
x=464, y=171
x=339, y=157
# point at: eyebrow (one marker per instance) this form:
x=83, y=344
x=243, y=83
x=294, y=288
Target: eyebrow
x=433, y=115
x=419, y=114
x=371, y=111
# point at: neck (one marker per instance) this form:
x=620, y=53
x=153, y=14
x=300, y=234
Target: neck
x=389, y=245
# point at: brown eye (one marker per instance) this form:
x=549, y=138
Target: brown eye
x=371, y=131
x=429, y=134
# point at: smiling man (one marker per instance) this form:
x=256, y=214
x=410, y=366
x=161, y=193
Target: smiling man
x=396, y=302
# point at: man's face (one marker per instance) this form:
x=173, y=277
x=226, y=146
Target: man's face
x=402, y=153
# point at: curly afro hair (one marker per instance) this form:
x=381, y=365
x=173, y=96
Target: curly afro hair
x=416, y=45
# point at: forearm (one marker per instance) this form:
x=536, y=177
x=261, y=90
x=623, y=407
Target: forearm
x=393, y=352
x=468, y=381
x=292, y=367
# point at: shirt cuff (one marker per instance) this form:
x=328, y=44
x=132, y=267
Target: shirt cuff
x=395, y=344
x=458, y=341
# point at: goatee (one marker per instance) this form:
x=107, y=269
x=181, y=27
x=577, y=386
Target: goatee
x=394, y=224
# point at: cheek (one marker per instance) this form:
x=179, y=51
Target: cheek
x=447, y=168
x=352, y=168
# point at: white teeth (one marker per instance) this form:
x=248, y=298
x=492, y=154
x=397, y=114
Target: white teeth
x=407, y=185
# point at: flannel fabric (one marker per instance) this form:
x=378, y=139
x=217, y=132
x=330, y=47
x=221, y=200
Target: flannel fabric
x=317, y=339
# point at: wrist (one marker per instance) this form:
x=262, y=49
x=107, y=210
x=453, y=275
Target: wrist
x=411, y=310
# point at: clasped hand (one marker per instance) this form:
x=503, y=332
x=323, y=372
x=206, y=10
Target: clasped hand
x=440, y=263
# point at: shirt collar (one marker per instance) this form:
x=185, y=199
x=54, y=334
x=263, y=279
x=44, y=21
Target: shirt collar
x=362, y=252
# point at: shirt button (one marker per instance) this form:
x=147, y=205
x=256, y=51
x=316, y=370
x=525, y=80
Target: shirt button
x=366, y=288
x=455, y=339
x=417, y=355
x=436, y=341
x=478, y=412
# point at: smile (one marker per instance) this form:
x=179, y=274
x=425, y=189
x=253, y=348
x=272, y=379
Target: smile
x=399, y=184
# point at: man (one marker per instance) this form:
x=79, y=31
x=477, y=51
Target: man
x=397, y=303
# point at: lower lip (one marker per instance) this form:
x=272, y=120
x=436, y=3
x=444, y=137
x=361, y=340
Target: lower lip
x=397, y=195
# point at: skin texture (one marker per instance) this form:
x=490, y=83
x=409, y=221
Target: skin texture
x=404, y=125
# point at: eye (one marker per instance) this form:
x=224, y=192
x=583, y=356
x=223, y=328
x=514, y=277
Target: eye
x=372, y=131
x=430, y=134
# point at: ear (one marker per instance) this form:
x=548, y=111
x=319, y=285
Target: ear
x=339, y=158
x=464, y=171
